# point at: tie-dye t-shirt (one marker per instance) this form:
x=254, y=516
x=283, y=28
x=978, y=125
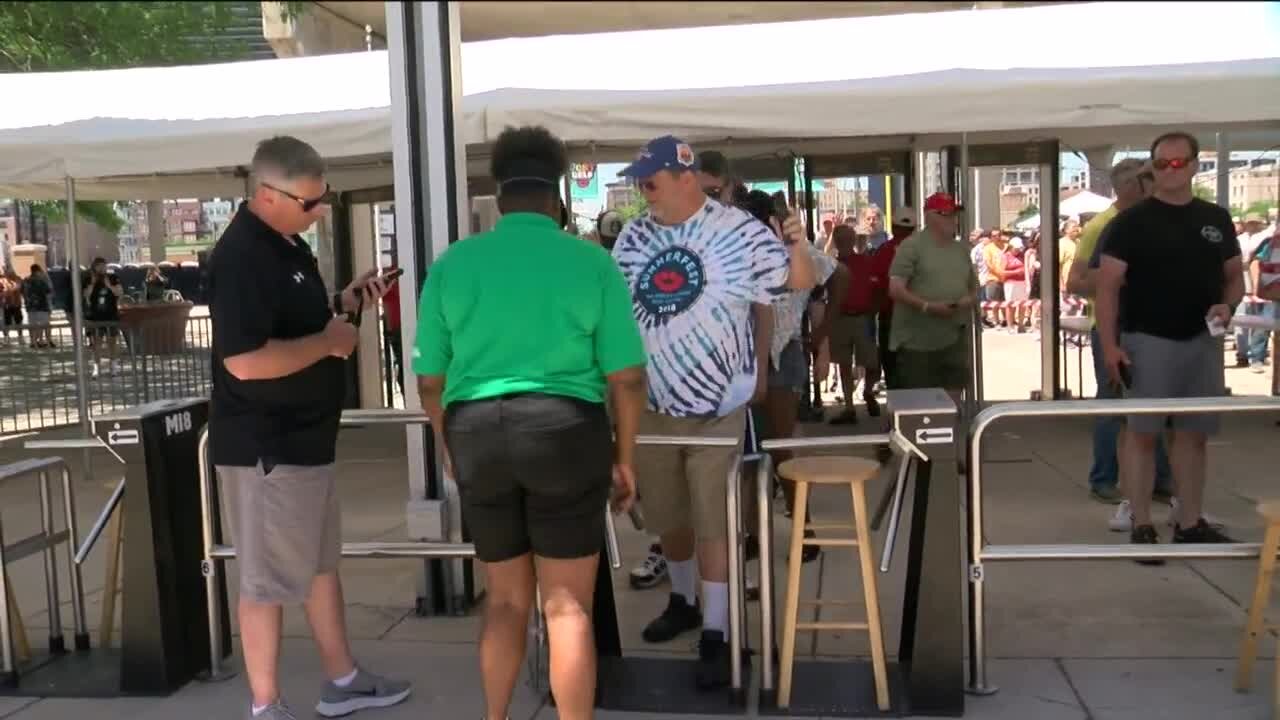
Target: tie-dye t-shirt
x=692, y=287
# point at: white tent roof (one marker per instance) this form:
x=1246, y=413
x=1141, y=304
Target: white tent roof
x=1083, y=202
x=163, y=132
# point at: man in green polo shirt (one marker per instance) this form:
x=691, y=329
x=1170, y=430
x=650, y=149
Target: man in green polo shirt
x=933, y=283
x=521, y=331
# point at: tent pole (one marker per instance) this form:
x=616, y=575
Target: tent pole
x=77, y=324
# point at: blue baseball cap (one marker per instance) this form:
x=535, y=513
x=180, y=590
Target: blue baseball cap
x=664, y=153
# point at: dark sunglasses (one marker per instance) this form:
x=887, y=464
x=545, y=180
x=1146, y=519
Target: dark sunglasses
x=1175, y=163
x=308, y=204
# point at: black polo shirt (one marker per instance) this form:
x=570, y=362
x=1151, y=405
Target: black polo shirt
x=264, y=286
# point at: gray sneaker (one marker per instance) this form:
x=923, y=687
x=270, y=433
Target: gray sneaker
x=366, y=691
x=274, y=711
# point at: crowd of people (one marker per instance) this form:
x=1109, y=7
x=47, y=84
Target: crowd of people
x=540, y=358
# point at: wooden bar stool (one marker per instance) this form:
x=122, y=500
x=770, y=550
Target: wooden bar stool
x=853, y=472
x=1256, y=625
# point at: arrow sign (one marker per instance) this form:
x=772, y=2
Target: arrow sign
x=932, y=436
x=122, y=437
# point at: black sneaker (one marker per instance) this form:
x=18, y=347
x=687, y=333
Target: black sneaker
x=873, y=407
x=1145, y=535
x=809, y=553
x=679, y=617
x=1201, y=532
x=713, y=661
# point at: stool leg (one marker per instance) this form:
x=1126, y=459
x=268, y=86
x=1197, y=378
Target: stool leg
x=115, y=535
x=21, y=647
x=1258, y=608
x=869, y=590
x=793, y=596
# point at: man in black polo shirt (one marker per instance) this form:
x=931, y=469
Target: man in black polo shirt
x=279, y=341
x=1168, y=283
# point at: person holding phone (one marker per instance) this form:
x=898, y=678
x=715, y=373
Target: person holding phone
x=1170, y=271
x=522, y=333
x=279, y=344
x=934, y=288
x=102, y=293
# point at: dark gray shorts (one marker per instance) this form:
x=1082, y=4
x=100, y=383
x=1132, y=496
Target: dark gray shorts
x=793, y=371
x=285, y=526
x=1174, y=369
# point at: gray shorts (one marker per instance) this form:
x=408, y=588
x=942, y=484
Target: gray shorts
x=285, y=526
x=1174, y=369
x=793, y=371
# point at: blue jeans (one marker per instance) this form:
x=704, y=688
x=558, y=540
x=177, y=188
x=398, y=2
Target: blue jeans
x=1251, y=345
x=1105, y=472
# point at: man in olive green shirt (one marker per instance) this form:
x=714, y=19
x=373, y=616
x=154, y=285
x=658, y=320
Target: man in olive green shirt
x=932, y=282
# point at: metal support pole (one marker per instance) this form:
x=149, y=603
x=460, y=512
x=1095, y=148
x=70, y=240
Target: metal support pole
x=735, y=578
x=210, y=566
x=1222, y=189
x=77, y=328
x=764, y=508
x=7, y=667
x=77, y=580
x=56, y=642
x=1050, y=277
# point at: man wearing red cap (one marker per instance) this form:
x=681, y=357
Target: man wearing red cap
x=934, y=287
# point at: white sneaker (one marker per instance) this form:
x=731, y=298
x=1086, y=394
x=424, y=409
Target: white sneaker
x=1122, y=520
x=1209, y=520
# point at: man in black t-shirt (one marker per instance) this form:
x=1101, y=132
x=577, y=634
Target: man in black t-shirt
x=1172, y=262
x=278, y=348
x=102, y=308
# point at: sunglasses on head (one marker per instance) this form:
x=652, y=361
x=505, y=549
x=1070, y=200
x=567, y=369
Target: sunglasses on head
x=1175, y=163
x=307, y=204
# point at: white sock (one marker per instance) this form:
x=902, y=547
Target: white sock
x=715, y=606
x=684, y=579
x=347, y=679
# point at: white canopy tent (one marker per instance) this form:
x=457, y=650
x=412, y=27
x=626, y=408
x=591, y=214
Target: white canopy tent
x=125, y=137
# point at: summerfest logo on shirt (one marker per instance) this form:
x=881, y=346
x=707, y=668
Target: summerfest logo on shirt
x=692, y=288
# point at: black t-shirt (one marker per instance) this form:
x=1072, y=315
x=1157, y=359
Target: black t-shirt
x=1175, y=256
x=37, y=291
x=263, y=287
x=103, y=305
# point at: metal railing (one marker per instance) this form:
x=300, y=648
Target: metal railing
x=43, y=542
x=980, y=551
x=215, y=554
x=150, y=361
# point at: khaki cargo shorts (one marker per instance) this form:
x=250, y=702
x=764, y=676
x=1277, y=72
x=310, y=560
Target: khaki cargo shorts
x=686, y=487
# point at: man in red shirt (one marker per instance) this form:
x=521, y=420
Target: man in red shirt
x=391, y=328
x=904, y=223
x=848, y=321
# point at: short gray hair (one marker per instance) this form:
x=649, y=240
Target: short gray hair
x=1128, y=166
x=288, y=157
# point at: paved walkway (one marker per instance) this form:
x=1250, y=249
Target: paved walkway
x=1068, y=640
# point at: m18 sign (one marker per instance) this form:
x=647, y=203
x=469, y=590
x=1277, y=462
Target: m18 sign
x=585, y=185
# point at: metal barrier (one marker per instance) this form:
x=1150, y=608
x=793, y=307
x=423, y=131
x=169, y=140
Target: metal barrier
x=215, y=554
x=152, y=361
x=43, y=542
x=980, y=551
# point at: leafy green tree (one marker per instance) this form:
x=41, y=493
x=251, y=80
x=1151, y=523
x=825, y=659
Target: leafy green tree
x=1204, y=192
x=634, y=208
x=1030, y=211
x=57, y=36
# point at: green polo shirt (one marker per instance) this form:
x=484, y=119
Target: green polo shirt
x=934, y=273
x=525, y=308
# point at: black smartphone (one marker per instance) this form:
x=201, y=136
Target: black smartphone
x=392, y=275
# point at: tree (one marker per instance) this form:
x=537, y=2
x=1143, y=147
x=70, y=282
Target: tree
x=54, y=36
x=634, y=208
x=1030, y=211
x=1204, y=192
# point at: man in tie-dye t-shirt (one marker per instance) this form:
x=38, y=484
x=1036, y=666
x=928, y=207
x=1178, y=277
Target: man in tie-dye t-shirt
x=695, y=266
